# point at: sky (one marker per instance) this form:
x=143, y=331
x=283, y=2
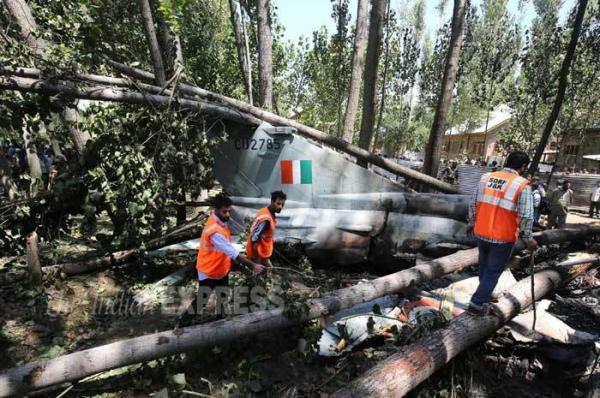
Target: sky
x=302, y=17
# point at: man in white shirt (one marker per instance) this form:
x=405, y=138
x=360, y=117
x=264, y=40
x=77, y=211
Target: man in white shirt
x=595, y=201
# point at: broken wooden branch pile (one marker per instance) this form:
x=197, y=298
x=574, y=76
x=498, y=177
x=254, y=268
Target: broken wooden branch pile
x=189, y=230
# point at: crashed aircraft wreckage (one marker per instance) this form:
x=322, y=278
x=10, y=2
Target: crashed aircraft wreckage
x=337, y=210
x=77, y=365
x=350, y=327
x=400, y=373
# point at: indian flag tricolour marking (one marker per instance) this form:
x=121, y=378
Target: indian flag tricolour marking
x=296, y=171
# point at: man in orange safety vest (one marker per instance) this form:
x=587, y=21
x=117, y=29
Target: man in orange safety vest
x=500, y=213
x=261, y=239
x=215, y=257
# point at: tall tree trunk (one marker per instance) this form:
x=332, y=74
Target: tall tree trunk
x=265, y=55
x=155, y=54
x=165, y=43
x=178, y=51
x=240, y=43
x=562, y=86
x=70, y=118
x=170, y=44
x=370, y=77
x=358, y=66
x=20, y=11
x=56, y=149
x=54, y=142
x=33, y=258
x=339, y=76
x=33, y=163
x=386, y=64
x=440, y=120
x=247, y=50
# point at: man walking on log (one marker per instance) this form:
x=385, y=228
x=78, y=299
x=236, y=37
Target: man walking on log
x=214, y=262
x=501, y=211
x=260, y=241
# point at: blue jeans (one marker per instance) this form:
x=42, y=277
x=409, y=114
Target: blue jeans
x=493, y=258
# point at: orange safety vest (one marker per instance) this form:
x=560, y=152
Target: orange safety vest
x=497, y=206
x=264, y=246
x=212, y=262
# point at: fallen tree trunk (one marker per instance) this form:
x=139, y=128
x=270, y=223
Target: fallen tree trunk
x=24, y=84
x=400, y=373
x=247, y=113
x=37, y=375
x=190, y=230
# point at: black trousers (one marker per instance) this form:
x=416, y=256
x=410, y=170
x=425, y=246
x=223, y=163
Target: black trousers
x=205, y=288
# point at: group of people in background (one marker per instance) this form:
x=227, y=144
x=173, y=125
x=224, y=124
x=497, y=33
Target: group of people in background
x=16, y=156
x=554, y=203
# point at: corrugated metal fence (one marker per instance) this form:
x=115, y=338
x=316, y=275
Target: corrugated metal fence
x=581, y=184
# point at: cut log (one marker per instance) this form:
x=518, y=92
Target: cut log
x=37, y=375
x=400, y=373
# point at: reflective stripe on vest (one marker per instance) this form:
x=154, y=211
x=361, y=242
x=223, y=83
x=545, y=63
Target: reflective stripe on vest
x=497, y=206
x=213, y=263
x=265, y=244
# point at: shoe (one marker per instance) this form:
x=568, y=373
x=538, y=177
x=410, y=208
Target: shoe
x=491, y=309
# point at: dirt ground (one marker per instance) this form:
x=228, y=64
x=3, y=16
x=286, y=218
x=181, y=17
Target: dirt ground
x=71, y=314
